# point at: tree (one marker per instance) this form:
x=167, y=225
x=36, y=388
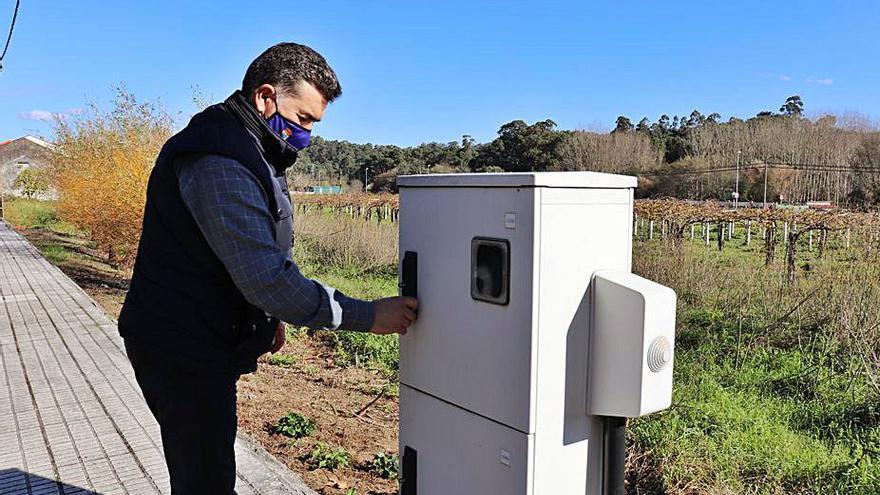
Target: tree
x=696, y=119
x=520, y=147
x=32, y=181
x=623, y=125
x=617, y=152
x=468, y=152
x=793, y=106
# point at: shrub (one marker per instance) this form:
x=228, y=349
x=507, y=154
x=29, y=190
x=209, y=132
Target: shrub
x=294, y=425
x=101, y=165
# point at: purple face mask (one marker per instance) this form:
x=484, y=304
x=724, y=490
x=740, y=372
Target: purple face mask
x=295, y=134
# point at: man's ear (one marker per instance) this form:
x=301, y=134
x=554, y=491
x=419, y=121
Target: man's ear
x=264, y=100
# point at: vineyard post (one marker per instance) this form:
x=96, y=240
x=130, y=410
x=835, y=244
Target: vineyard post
x=770, y=242
x=847, y=238
x=651, y=230
x=721, y=232
x=693, y=225
x=785, y=234
x=748, y=232
x=706, y=232
x=811, y=241
x=790, y=249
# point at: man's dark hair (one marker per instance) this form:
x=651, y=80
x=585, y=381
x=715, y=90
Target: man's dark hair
x=285, y=64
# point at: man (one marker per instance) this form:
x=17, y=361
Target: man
x=214, y=278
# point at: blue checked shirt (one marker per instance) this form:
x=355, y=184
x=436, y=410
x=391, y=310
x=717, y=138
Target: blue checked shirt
x=232, y=211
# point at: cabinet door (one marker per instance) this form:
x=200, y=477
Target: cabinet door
x=472, y=344
x=452, y=451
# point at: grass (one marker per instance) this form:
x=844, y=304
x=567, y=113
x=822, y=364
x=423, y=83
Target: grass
x=35, y=213
x=775, y=384
x=281, y=360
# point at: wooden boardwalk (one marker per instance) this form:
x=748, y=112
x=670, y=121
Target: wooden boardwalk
x=72, y=420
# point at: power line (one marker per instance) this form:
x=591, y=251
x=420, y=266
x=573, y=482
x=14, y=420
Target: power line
x=11, y=27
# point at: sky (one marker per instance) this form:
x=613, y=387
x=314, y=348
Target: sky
x=416, y=71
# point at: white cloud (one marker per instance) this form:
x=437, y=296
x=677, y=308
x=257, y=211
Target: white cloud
x=784, y=77
x=42, y=115
x=824, y=81
x=47, y=116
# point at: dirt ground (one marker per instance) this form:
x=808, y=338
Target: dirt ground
x=353, y=408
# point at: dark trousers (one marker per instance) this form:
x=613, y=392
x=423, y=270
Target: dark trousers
x=197, y=418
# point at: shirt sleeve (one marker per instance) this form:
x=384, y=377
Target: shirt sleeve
x=231, y=209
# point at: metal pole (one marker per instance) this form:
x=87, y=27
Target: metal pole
x=366, y=170
x=765, y=184
x=614, y=453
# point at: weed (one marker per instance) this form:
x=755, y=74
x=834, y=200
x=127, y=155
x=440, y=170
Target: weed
x=386, y=466
x=324, y=456
x=294, y=333
x=294, y=425
x=282, y=360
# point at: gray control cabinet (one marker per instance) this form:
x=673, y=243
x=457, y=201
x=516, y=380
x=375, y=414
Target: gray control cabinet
x=494, y=374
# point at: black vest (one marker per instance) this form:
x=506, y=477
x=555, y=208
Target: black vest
x=182, y=304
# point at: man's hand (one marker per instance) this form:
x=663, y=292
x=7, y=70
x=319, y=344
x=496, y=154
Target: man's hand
x=280, y=337
x=394, y=315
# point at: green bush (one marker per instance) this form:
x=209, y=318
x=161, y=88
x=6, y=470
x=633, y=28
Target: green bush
x=294, y=425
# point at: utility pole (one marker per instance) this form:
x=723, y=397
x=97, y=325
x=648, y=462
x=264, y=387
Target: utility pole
x=736, y=194
x=766, y=165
